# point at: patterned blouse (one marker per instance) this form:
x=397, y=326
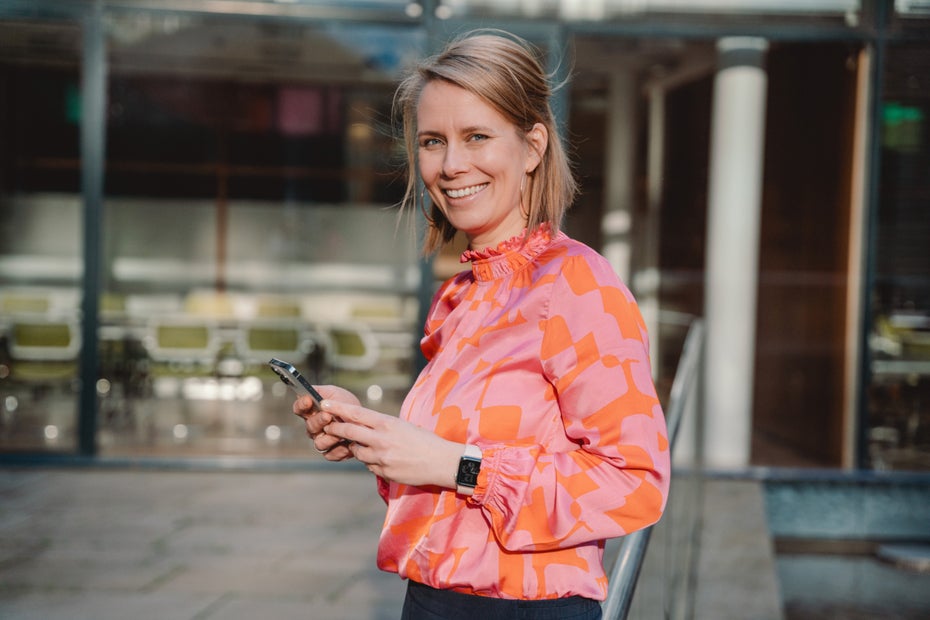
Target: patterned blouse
x=539, y=356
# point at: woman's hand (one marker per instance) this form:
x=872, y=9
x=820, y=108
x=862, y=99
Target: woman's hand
x=392, y=448
x=333, y=448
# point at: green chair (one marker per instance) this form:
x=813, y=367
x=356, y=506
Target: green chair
x=43, y=350
x=261, y=339
x=352, y=346
x=182, y=346
x=23, y=303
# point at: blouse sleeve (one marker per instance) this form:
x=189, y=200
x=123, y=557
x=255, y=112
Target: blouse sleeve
x=595, y=354
x=384, y=488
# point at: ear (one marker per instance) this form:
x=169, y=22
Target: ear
x=537, y=138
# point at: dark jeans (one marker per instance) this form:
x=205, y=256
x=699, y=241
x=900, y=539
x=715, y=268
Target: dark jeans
x=426, y=603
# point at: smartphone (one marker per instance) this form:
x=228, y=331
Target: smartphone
x=290, y=376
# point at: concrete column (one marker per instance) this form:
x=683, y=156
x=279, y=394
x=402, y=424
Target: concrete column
x=619, y=160
x=734, y=206
x=617, y=224
x=647, y=279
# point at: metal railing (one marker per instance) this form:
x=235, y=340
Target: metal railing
x=671, y=587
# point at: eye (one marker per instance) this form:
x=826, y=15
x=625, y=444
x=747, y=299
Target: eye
x=478, y=137
x=426, y=143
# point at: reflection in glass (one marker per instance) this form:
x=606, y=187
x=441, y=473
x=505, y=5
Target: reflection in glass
x=898, y=433
x=40, y=232
x=248, y=217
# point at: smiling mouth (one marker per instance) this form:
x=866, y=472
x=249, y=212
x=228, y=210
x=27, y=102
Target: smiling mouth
x=465, y=191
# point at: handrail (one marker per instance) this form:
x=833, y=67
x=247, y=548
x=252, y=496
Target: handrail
x=629, y=562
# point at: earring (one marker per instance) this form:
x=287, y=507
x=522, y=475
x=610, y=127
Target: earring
x=523, y=211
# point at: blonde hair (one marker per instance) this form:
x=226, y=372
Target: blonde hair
x=504, y=71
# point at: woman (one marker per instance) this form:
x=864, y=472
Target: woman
x=534, y=432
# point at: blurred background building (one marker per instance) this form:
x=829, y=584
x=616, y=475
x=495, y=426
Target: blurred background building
x=188, y=187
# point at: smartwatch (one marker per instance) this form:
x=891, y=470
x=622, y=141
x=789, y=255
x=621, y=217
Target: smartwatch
x=469, y=466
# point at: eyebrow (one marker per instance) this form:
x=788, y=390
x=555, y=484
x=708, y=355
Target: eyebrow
x=465, y=131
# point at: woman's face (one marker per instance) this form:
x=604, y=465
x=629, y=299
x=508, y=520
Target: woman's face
x=473, y=162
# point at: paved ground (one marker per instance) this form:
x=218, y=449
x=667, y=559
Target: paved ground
x=140, y=544
x=145, y=545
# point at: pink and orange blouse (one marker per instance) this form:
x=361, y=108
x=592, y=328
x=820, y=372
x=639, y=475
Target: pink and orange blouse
x=539, y=356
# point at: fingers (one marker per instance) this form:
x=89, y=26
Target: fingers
x=315, y=422
x=304, y=406
x=349, y=432
x=356, y=414
x=333, y=447
x=340, y=426
x=354, y=424
x=340, y=452
x=331, y=393
x=324, y=442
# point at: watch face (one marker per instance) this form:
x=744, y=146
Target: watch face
x=468, y=472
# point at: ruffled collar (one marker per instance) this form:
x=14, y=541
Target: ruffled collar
x=509, y=255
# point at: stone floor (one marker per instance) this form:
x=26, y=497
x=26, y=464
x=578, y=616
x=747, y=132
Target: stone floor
x=140, y=543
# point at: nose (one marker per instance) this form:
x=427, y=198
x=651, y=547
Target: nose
x=455, y=160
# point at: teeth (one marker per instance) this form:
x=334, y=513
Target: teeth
x=468, y=191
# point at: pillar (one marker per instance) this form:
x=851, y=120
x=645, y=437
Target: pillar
x=731, y=270
x=619, y=181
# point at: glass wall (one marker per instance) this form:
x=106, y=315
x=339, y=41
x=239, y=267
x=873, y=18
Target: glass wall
x=249, y=183
x=898, y=399
x=41, y=255
x=249, y=187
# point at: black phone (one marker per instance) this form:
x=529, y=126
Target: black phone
x=292, y=377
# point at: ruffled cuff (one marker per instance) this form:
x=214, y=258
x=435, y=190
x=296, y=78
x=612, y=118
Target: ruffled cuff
x=504, y=475
x=489, y=465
